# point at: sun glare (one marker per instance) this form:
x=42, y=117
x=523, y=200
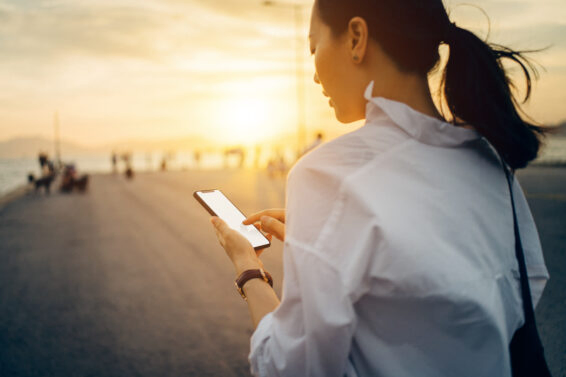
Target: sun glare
x=245, y=120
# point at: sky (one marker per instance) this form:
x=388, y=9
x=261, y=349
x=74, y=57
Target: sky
x=223, y=69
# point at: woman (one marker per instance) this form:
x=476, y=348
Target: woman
x=399, y=246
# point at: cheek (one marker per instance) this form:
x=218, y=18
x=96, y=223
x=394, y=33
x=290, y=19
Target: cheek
x=325, y=71
x=332, y=70
x=332, y=75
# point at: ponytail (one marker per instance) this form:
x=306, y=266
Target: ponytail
x=476, y=87
x=477, y=91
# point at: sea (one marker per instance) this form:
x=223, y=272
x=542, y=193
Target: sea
x=14, y=171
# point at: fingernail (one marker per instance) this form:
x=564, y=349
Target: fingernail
x=264, y=219
x=214, y=221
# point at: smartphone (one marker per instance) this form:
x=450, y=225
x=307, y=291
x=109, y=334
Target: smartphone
x=217, y=204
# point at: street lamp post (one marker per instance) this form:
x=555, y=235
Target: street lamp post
x=299, y=69
x=56, y=140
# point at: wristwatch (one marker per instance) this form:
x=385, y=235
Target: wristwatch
x=252, y=274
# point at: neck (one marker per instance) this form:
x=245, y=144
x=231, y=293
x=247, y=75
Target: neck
x=408, y=88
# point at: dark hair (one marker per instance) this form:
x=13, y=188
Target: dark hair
x=475, y=85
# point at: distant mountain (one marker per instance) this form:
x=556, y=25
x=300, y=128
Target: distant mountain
x=31, y=146
x=25, y=147
x=182, y=143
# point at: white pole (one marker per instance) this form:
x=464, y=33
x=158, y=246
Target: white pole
x=57, y=141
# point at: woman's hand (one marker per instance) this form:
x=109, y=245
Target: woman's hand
x=271, y=221
x=237, y=247
x=261, y=298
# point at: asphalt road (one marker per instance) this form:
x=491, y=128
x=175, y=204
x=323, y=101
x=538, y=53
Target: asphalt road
x=129, y=280
x=545, y=189
x=126, y=280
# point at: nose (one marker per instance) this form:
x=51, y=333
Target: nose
x=316, y=78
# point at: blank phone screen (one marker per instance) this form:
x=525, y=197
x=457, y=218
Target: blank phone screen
x=228, y=212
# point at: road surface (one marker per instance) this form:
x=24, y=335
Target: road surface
x=129, y=280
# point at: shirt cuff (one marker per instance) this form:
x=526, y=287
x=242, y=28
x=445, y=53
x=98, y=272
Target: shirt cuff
x=257, y=343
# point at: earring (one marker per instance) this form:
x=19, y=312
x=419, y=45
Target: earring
x=356, y=58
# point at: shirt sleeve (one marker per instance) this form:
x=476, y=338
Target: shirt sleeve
x=310, y=333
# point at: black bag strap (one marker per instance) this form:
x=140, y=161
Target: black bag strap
x=525, y=288
x=526, y=349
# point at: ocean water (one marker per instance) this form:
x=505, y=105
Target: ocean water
x=14, y=172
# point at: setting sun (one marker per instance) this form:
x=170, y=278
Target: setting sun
x=245, y=120
x=220, y=70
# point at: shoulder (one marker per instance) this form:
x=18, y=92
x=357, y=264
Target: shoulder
x=315, y=182
x=348, y=153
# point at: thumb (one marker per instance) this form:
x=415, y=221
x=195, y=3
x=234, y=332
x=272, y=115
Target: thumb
x=219, y=224
x=273, y=226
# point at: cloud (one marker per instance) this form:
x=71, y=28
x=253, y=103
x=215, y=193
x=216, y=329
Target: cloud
x=43, y=31
x=122, y=66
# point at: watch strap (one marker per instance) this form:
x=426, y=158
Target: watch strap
x=252, y=274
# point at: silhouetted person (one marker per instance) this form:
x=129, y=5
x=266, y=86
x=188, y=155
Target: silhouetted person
x=129, y=172
x=47, y=173
x=71, y=181
x=257, y=155
x=42, y=158
x=114, y=159
x=196, y=157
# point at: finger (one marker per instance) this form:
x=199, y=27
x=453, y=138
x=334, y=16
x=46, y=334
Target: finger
x=254, y=217
x=278, y=213
x=273, y=226
x=219, y=225
x=221, y=240
x=219, y=234
x=258, y=227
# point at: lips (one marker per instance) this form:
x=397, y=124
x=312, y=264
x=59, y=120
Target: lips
x=329, y=99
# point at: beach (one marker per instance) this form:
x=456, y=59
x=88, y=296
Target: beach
x=128, y=279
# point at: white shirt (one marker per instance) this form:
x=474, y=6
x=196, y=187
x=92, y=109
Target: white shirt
x=399, y=256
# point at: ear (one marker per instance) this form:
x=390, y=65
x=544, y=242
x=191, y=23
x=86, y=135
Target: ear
x=358, y=39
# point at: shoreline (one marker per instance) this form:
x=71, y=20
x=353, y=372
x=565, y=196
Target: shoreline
x=14, y=195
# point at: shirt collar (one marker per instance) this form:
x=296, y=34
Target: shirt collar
x=422, y=127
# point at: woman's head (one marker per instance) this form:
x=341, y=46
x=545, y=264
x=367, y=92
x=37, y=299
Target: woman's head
x=352, y=38
x=335, y=70
x=409, y=31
